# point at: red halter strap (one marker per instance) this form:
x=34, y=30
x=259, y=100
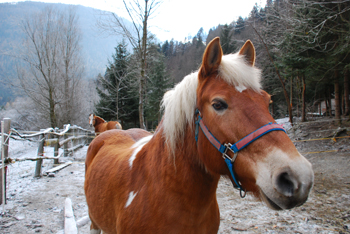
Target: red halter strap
x=235, y=148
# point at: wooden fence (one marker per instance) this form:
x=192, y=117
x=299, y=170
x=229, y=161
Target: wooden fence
x=70, y=138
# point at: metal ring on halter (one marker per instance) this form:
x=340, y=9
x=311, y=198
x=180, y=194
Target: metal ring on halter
x=225, y=155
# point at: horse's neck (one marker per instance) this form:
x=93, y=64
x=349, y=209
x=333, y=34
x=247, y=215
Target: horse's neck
x=98, y=120
x=184, y=167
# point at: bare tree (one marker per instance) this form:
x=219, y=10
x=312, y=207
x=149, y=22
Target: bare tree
x=52, y=70
x=72, y=68
x=137, y=34
x=310, y=35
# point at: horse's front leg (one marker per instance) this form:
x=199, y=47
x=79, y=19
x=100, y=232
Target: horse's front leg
x=94, y=229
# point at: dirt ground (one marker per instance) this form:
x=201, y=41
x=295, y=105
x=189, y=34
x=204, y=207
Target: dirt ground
x=37, y=205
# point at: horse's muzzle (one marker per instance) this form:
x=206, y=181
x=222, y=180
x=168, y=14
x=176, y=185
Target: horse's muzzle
x=286, y=183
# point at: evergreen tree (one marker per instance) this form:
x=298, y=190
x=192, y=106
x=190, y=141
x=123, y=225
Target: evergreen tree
x=227, y=43
x=159, y=83
x=199, y=37
x=129, y=91
x=114, y=88
x=254, y=14
x=240, y=24
x=166, y=48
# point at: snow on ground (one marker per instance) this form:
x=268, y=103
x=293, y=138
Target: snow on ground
x=37, y=205
x=27, y=149
x=285, y=123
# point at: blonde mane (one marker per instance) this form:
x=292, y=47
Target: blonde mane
x=179, y=103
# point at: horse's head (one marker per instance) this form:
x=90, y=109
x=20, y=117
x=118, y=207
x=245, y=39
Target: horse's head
x=231, y=106
x=92, y=120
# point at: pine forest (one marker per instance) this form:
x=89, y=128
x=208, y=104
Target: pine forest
x=302, y=49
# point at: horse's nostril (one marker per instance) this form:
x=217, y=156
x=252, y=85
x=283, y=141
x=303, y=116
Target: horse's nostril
x=286, y=184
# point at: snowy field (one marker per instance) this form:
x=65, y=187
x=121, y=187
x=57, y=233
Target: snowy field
x=37, y=205
x=285, y=123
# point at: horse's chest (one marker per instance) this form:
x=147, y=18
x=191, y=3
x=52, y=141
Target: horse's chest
x=167, y=217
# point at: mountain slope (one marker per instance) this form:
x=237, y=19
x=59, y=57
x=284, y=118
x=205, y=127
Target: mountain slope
x=96, y=48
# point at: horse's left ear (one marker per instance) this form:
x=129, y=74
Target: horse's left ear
x=248, y=51
x=211, y=57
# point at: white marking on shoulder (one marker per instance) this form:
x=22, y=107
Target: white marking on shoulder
x=138, y=146
x=132, y=195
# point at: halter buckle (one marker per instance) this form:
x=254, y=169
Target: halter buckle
x=225, y=155
x=229, y=162
x=197, y=118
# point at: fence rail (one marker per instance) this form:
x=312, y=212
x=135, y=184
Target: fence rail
x=70, y=138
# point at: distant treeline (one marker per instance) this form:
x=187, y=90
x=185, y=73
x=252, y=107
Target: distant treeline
x=302, y=49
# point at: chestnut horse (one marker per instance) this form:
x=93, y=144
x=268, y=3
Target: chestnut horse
x=216, y=123
x=101, y=125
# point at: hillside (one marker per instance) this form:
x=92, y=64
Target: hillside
x=96, y=48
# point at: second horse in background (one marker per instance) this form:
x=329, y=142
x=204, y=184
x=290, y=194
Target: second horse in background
x=101, y=125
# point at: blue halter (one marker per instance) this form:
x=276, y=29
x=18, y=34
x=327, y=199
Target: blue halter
x=235, y=148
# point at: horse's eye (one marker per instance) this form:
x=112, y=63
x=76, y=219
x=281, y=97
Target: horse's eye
x=219, y=105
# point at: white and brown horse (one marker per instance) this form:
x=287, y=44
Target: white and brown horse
x=216, y=122
x=102, y=125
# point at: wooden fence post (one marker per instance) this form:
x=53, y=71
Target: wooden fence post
x=5, y=141
x=65, y=145
x=70, y=226
x=80, y=139
x=74, y=135
x=55, y=151
x=40, y=153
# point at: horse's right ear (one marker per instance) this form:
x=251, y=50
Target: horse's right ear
x=211, y=58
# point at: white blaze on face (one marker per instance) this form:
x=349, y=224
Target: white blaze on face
x=137, y=147
x=131, y=197
x=91, y=118
x=240, y=88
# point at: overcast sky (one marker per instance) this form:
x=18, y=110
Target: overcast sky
x=178, y=19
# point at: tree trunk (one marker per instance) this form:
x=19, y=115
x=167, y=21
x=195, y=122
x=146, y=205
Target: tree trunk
x=320, y=108
x=346, y=92
x=117, y=101
x=280, y=78
x=303, y=111
x=142, y=86
x=337, y=97
x=342, y=102
x=272, y=111
x=291, y=92
x=329, y=100
x=53, y=120
x=67, y=98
